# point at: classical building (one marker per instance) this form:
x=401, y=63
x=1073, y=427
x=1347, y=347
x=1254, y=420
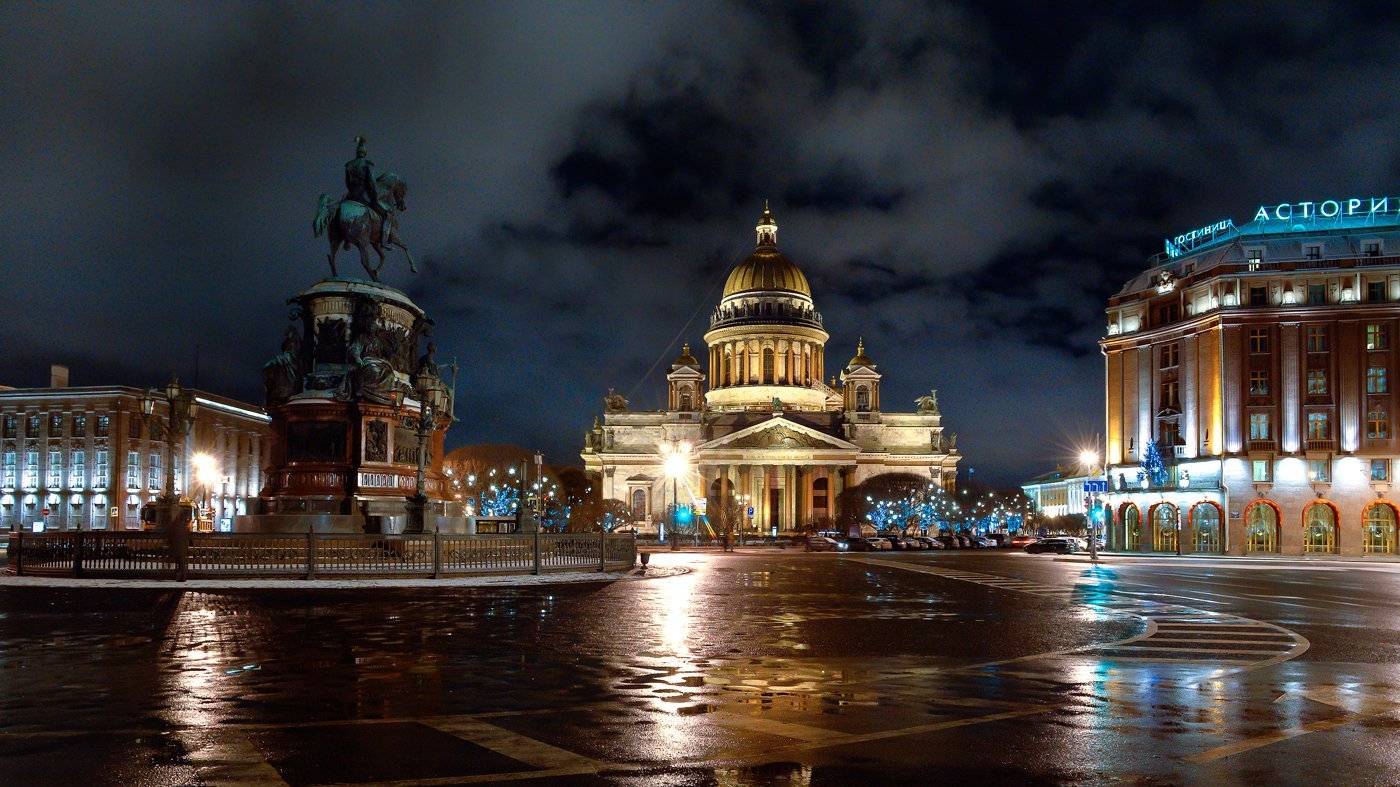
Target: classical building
x=755, y=422
x=1058, y=493
x=85, y=458
x=1256, y=360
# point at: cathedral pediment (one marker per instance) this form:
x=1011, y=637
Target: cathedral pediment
x=778, y=434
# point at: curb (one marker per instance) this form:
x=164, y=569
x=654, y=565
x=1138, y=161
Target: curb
x=511, y=581
x=1383, y=564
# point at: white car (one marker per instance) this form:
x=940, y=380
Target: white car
x=822, y=544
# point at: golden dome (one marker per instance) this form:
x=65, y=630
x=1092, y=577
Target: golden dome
x=860, y=359
x=766, y=268
x=685, y=358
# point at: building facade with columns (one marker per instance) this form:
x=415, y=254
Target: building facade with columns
x=85, y=458
x=1257, y=361
x=758, y=421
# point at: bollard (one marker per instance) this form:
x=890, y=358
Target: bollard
x=78, y=554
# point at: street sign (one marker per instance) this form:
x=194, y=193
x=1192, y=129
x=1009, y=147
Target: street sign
x=1099, y=485
x=44, y=512
x=750, y=510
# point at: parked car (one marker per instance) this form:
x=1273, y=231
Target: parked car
x=1063, y=545
x=895, y=542
x=912, y=543
x=949, y=542
x=1022, y=541
x=963, y=541
x=984, y=542
x=821, y=544
x=930, y=542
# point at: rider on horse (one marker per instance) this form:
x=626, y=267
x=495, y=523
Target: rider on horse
x=359, y=181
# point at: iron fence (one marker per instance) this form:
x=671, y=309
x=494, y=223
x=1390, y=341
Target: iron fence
x=312, y=555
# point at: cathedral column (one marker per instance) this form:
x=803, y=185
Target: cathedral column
x=835, y=485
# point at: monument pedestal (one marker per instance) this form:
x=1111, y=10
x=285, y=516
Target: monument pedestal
x=346, y=396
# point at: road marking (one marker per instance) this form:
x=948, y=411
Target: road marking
x=514, y=745
x=785, y=729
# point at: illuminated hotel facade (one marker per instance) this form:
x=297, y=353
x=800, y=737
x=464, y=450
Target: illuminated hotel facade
x=1259, y=361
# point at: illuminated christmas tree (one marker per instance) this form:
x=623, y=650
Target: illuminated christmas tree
x=1153, y=468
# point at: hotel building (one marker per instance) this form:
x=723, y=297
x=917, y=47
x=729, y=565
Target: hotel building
x=1258, y=360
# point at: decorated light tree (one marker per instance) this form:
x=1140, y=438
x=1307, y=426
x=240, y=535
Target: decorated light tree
x=1153, y=468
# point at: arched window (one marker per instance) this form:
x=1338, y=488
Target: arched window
x=1132, y=528
x=1319, y=529
x=768, y=365
x=1205, y=528
x=1261, y=528
x=1378, y=530
x=1377, y=422
x=639, y=504
x=862, y=398
x=1164, y=527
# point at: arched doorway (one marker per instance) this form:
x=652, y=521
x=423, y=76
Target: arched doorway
x=1165, y=522
x=1261, y=527
x=1205, y=528
x=1378, y=529
x=1320, y=529
x=1132, y=527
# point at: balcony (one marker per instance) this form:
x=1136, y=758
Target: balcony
x=1321, y=445
x=1263, y=445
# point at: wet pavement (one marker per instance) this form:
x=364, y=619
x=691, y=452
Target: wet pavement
x=775, y=669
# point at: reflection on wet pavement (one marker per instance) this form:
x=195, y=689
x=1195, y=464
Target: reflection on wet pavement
x=748, y=670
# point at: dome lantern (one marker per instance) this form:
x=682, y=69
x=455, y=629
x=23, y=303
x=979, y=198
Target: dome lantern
x=767, y=228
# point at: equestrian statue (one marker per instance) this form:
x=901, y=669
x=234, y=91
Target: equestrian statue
x=367, y=216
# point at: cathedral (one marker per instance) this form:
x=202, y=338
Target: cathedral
x=758, y=423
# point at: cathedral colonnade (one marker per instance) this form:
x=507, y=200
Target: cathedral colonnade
x=784, y=496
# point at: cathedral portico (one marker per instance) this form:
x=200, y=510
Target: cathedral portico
x=759, y=427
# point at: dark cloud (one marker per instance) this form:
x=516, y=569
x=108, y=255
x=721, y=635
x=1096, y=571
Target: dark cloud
x=964, y=183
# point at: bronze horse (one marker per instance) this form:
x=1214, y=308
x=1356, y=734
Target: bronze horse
x=348, y=223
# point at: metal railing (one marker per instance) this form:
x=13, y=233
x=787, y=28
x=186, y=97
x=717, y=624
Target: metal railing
x=312, y=555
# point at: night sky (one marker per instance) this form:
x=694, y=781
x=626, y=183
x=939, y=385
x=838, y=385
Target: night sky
x=963, y=183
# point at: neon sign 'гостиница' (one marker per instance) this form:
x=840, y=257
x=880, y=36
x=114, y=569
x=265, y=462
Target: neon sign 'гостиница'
x=1352, y=209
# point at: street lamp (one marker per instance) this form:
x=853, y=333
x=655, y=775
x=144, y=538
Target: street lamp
x=180, y=413
x=1090, y=459
x=206, y=473
x=675, y=464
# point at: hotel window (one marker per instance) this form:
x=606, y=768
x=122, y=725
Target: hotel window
x=11, y=470
x=31, y=469
x=1169, y=396
x=1371, y=248
x=1255, y=258
x=1170, y=353
x=1259, y=426
x=79, y=425
x=1317, y=294
x=1377, y=337
x=1261, y=471
x=153, y=472
x=32, y=428
x=1380, y=469
x=1317, y=338
x=1258, y=296
x=1318, y=470
x=99, y=475
x=1377, y=423
x=1319, y=426
x=1317, y=382
x=101, y=426
x=1258, y=340
x=1376, y=381
x=55, y=470
x=11, y=426
x=1312, y=251
x=133, y=470
x=55, y=424
x=134, y=430
x=1258, y=382
x=77, y=471
x=1375, y=292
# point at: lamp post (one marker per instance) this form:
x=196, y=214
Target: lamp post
x=180, y=413
x=676, y=464
x=1089, y=458
x=204, y=471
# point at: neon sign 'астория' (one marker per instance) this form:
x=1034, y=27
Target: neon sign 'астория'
x=1353, y=211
